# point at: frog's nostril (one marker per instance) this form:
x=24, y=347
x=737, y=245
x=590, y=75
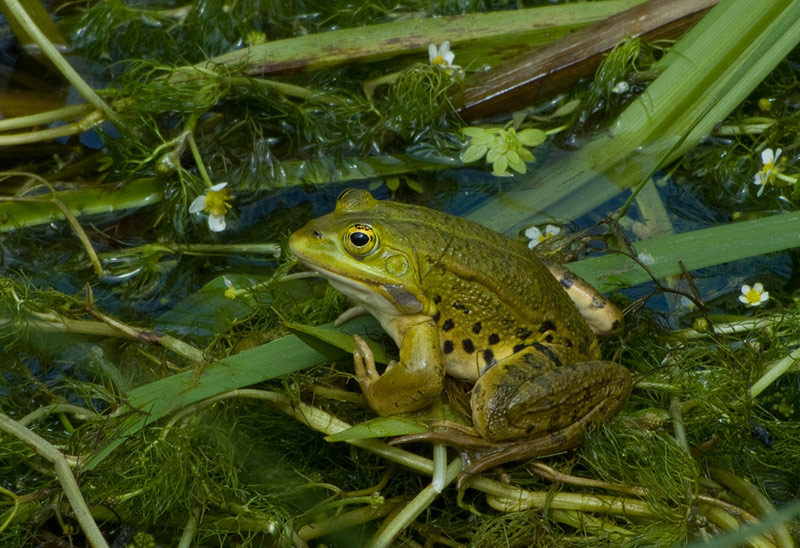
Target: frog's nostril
x=317, y=234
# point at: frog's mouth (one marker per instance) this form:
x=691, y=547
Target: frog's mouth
x=360, y=290
x=346, y=284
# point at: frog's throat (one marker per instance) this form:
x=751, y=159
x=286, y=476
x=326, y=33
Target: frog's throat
x=368, y=294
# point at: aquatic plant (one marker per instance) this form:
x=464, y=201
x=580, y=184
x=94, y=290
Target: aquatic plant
x=167, y=383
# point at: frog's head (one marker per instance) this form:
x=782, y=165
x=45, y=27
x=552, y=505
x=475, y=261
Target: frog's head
x=363, y=254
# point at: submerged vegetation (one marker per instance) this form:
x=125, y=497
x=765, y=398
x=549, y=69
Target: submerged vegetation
x=170, y=379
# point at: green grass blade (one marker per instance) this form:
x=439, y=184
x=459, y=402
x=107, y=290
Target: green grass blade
x=380, y=427
x=152, y=401
x=477, y=39
x=89, y=201
x=712, y=69
x=155, y=400
x=697, y=249
x=324, y=339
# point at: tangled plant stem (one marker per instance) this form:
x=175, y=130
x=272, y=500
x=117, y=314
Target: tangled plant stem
x=64, y=475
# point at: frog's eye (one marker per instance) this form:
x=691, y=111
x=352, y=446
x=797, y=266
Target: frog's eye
x=360, y=239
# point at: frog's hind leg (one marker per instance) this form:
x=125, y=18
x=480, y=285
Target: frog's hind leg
x=528, y=397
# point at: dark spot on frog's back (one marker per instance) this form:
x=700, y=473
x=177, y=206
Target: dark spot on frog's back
x=448, y=324
x=468, y=345
x=436, y=317
x=458, y=305
x=448, y=347
x=488, y=357
x=547, y=325
x=437, y=299
x=494, y=338
x=476, y=327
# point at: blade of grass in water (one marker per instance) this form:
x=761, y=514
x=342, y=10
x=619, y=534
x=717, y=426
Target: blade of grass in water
x=480, y=38
x=697, y=249
x=706, y=75
x=162, y=397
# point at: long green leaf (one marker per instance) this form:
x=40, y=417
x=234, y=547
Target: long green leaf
x=152, y=401
x=477, y=39
x=708, y=73
x=89, y=201
x=157, y=399
x=697, y=249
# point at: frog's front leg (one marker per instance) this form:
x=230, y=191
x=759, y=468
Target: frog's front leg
x=527, y=396
x=408, y=384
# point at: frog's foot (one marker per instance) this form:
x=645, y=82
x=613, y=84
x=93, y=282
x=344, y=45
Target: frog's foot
x=452, y=434
x=522, y=450
x=364, y=364
x=480, y=455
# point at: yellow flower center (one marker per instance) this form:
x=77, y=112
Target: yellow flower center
x=217, y=201
x=753, y=296
x=769, y=171
x=438, y=60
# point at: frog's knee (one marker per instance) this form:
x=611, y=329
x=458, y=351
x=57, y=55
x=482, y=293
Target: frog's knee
x=517, y=401
x=494, y=394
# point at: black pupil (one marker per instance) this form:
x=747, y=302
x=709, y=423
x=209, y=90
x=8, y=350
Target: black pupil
x=359, y=239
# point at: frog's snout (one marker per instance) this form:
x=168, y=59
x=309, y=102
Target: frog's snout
x=306, y=242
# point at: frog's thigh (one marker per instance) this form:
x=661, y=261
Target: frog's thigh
x=413, y=381
x=528, y=397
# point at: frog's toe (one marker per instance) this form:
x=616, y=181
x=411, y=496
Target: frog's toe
x=364, y=362
x=447, y=436
x=561, y=440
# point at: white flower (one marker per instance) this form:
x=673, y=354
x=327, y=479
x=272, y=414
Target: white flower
x=537, y=236
x=215, y=202
x=442, y=56
x=753, y=296
x=768, y=171
x=620, y=87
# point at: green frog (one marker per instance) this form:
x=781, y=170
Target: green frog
x=459, y=299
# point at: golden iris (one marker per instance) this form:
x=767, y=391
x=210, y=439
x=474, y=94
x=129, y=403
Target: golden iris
x=360, y=239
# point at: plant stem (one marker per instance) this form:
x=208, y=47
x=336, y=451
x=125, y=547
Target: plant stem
x=409, y=513
x=22, y=17
x=47, y=117
x=80, y=413
x=754, y=498
x=44, y=448
x=190, y=528
x=84, y=124
x=774, y=371
x=14, y=510
x=500, y=496
x=198, y=158
x=348, y=519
